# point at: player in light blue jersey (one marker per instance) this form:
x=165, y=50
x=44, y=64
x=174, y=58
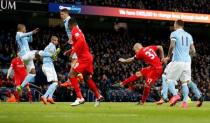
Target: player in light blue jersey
x=49, y=69
x=22, y=39
x=64, y=14
x=180, y=69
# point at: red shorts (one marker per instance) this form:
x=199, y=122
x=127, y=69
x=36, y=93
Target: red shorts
x=151, y=74
x=84, y=68
x=19, y=79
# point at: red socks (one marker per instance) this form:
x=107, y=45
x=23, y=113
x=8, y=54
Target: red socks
x=75, y=84
x=29, y=94
x=132, y=78
x=92, y=86
x=16, y=94
x=145, y=93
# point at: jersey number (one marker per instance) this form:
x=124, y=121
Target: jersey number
x=150, y=53
x=184, y=41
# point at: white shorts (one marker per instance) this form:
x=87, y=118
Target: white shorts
x=167, y=67
x=50, y=73
x=179, y=71
x=28, y=60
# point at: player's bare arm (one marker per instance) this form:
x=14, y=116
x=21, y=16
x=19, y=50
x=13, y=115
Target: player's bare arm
x=171, y=48
x=161, y=51
x=192, y=50
x=35, y=31
x=8, y=72
x=126, y=60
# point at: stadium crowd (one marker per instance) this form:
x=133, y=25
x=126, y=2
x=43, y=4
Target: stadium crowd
x=193, y=6
x=107, y=48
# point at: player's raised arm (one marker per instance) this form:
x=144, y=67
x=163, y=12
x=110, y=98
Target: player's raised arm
x=161, y=51
x=126, y=60
x=22, y=28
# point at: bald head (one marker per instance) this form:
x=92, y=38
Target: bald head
x=137, y=47
x=21, y=28
x=54, y=40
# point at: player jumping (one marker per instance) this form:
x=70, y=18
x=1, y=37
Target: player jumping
x=84, y=63
x=22, y=39
x=64, y=14
x=19, y=75
x=48, y=69
x=151, y=73
x=180, y=69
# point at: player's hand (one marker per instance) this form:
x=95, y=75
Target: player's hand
x=70, y=41
x=122, y=60
x=35, y=30
x=165, y=60
x=68, y=52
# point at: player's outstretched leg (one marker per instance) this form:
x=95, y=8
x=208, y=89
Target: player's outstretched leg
x=197, y=93
x=185, y=92
x=164, y=91
x=131, y=79
x=172, y=89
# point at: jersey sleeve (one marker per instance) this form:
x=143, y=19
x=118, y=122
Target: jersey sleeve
x=173, y=36
x=137, y=56
x=191, y=40
x=25, y=34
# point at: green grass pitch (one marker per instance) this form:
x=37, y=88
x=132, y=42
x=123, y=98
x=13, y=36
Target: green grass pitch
x=107, y=112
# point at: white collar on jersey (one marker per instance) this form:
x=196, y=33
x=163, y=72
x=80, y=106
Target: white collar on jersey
x=67, y=18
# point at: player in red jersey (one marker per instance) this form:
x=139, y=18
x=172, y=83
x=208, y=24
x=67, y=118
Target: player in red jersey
x=20, y=72
x=151, y=73
x=84, y=63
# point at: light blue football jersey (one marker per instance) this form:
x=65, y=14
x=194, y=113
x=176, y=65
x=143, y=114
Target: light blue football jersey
x=68, y=31
x=22, y=40
x=49, y=50
x=183, y=40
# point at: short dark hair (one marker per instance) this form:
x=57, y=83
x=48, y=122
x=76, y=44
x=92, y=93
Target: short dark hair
x=180, y=23
x=65, y=10
x=72, y=21
x=20, y=26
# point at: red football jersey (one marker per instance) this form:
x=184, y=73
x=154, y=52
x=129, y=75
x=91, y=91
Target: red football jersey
x=80, y=46
x=149, y=55
x=18, y=66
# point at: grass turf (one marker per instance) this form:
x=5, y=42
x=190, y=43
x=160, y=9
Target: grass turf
x=105, y=113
